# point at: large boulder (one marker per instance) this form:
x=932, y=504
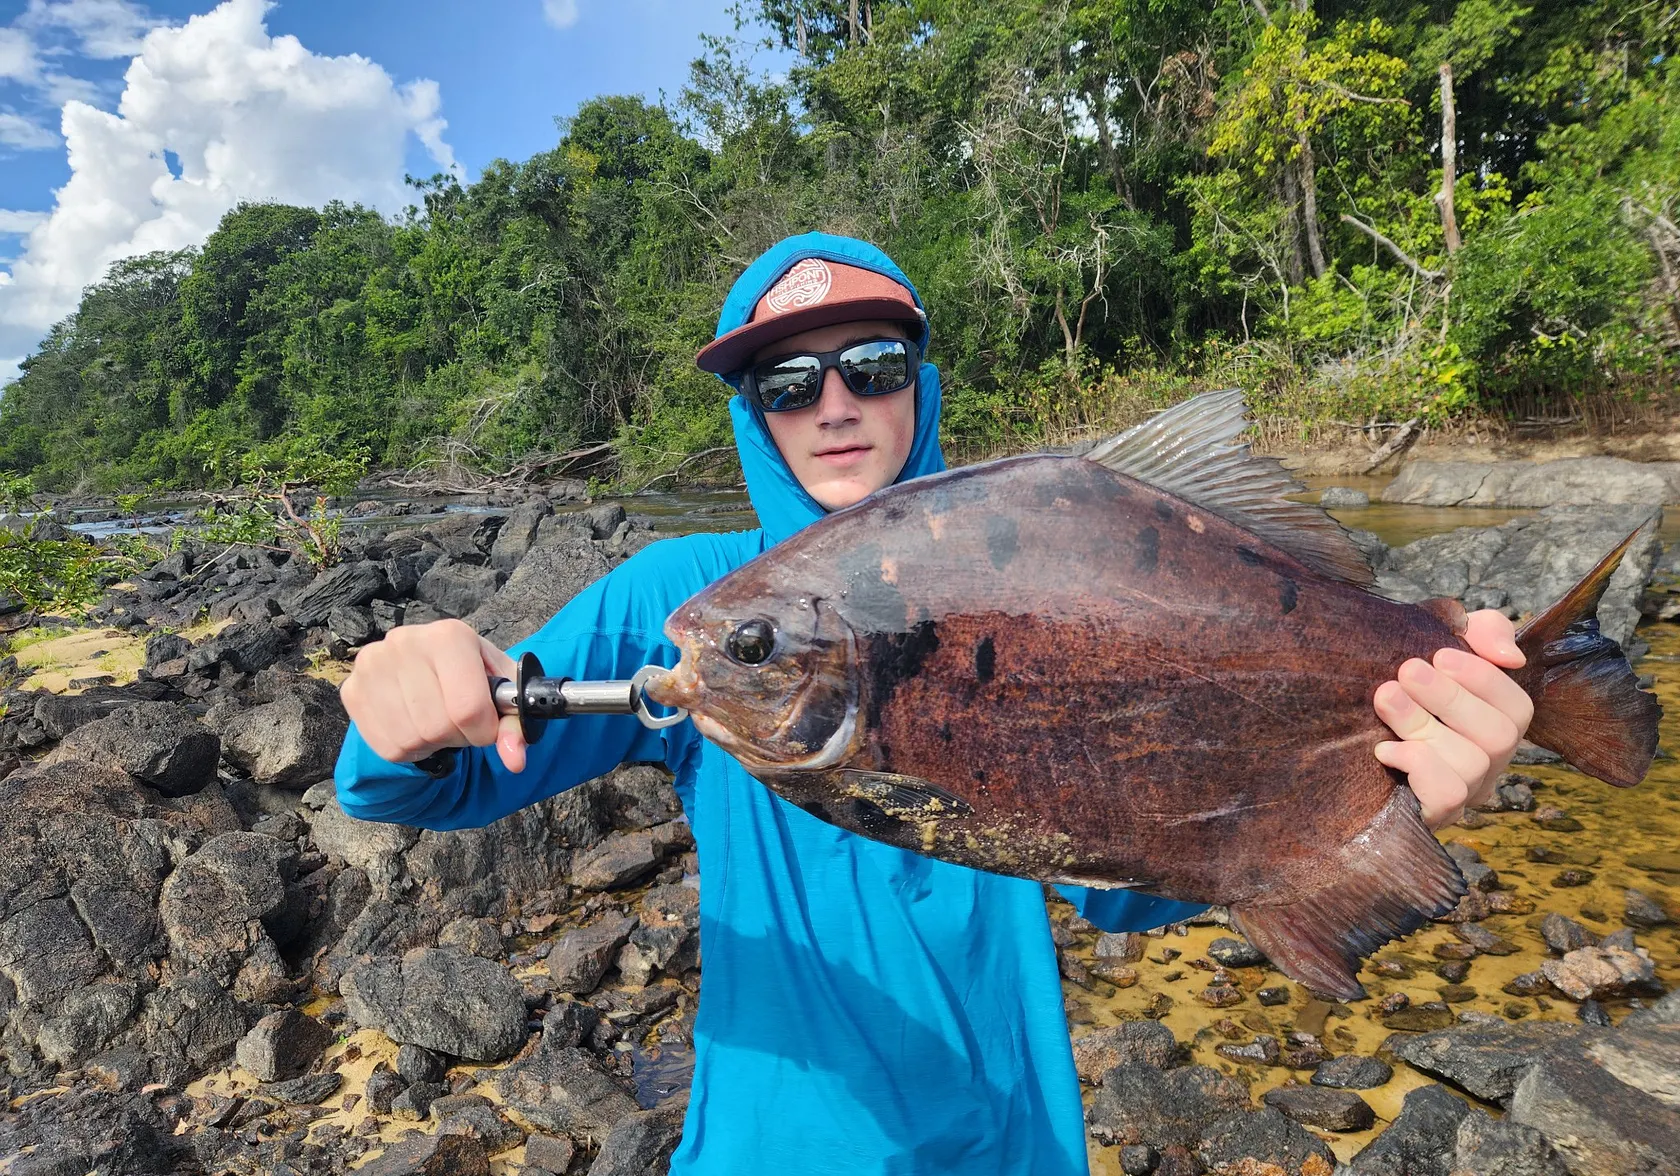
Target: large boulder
x=1486, y=1060
x=292, y=741
x=562, y=1088
x=247, y=646
x=548, y=576
x=442, y=999
x=224, y=901
x=520, y=528
x=1141, y=1104
x=642, y=1142
x=455, y=588
x=348, y=584
x=1422, y=1140
x=1570, y=481
x=158, y=743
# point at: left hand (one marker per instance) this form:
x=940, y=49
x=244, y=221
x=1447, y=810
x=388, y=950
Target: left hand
x=1458, y=720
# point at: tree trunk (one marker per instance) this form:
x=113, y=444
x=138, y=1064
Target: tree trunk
x=852, y=20
x=1105, y=142
x=1294, y=263
x=1449, y=160
x=1309, y=204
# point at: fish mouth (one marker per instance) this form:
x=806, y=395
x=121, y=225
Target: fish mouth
x=680, y=687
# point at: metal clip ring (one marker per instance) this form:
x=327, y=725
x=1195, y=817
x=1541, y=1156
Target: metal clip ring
x=639, y=706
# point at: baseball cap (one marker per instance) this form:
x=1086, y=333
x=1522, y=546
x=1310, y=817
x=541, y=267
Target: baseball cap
x=814, y=292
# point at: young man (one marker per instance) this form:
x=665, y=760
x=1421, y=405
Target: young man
x=866, y=1010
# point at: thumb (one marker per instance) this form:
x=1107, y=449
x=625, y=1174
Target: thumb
x=495, y=661
x=510, y=740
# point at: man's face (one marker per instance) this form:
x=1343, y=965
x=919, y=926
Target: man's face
x=844, y=447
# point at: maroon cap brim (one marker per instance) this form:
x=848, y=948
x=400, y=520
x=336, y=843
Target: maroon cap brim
x=730, y=353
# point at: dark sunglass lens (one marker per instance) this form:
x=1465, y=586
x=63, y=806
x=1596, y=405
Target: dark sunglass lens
x=787, y=384
x=874, y=369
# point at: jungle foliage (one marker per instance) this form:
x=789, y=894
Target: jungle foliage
x=1103, y=202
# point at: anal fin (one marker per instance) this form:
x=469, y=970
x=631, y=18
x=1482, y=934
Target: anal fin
x=909, y=798
x=1389, y=881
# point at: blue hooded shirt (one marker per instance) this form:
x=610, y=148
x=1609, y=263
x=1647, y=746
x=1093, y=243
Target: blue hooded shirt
x=865, y=1010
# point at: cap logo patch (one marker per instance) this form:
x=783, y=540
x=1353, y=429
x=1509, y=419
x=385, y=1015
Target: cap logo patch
x=806, y=284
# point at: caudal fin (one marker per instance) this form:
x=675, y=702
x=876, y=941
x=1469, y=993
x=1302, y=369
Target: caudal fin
x=1587, y=703
x=1390, y=880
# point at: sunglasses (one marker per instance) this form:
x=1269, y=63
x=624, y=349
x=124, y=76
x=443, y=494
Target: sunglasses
x=871, y=368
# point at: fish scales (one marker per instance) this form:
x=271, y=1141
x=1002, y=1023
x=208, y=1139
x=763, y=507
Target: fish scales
x=1142, y=668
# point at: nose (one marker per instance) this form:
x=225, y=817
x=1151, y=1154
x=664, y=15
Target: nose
x=838, y=406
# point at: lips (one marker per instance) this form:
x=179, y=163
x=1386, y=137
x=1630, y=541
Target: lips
x=843, y=454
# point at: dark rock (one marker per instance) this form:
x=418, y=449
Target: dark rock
x=191, y=1024
x=1421, y=1141
x=548, y=576
x=1643, y=911
x=1352, y=1072
x=514, y=539
x=1265, y=1136
x=347, y=585
x=165, y=647
x=668, y=937
x=1590, y=1012
x=563, y=1088
x=313, y=1088
x=1483, y=940
x=1564, y=935
x=283, y=1045
x=625, y=858
x=1235, y=953
x=354, y=625
x=417, y=1064
x=456, y=589
x=247, y=646
x=223, y=902
x=292, y=741
x=1528, y=984
x=60, y=714
x=641, y=1143
x=155, y=742
x=442, y=999
x=581, y=957
x=430, y=1155
x=1343, y=498
x=1272, y=996
x=480, y=1122
x=1486, y=1060
x=1420, y=1018
x=415, y=1101
x=1140, y=1104
x=1147, y=1043
x=1500, y=1147
x=1608, y=1101
x=549, y=1153
x=1138, y=1159
x=1124, y=946
x=1453, y=971
x=1263, y=1050
x=89, y=1129
x=382, y=1086
x=1321, y=1106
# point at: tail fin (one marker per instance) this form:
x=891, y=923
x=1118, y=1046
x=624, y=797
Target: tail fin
x=1587, y=703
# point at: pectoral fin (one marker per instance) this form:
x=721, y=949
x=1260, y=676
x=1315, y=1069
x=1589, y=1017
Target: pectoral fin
x=909, y=798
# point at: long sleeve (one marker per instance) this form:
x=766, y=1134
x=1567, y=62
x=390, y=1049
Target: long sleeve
x=1127, y=910
x=609, y=630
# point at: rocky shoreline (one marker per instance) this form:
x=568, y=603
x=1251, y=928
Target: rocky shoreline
x=206, y=966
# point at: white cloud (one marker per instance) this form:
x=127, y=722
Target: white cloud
x=17, y=221
x=249, y=117
x=562, y=14
x=19, y=61
x=104, y=28
x=24, y=133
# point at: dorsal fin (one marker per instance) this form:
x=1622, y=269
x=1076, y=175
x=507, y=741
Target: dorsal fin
x=1192, y=450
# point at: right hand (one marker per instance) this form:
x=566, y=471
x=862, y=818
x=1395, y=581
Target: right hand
x=424, y=688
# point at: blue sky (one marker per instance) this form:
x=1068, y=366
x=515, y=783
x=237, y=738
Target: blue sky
x=226, y=108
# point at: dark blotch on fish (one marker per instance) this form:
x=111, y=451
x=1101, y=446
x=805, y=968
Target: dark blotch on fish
x=1248, y=556
x=985, y=659
x=1286, y=595
x=1163, y=511
x=1003, y=540
x=1148, y=550
x=894, y=658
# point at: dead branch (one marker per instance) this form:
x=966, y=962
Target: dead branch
x=1449, y=160
x=1402, y=440
x=677, y=470
x=1399, y=253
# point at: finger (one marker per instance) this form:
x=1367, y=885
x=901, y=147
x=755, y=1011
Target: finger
x=1440, y=790
x=510, y=743
x=380, y=714
x=1412, y=717
x=495, y=661
x=1459, y=709
x=459, y=670
x=428, y=718
x=1489, y=683
x=1491, y=634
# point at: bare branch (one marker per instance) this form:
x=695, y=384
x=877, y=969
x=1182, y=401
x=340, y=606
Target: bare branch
x=1400, y=255
x=1449, y=160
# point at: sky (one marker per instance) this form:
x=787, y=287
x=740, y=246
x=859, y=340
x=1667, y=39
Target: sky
x=127, y=127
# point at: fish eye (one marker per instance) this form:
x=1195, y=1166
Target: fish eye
x=752, y=642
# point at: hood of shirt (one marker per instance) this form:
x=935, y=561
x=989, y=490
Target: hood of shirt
x=782, y=504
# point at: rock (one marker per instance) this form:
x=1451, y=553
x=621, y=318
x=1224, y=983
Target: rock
x=1271, y=997
x=247, y=646
x=165, y=647
x=417, y=1064
x=225, y=900
x=1500, y=1147
x=1564, y=935
x=1321, y=1106
x=442, y=999
x=642, y=1142
x=191, y=1024
x=1528, y=984
x=1264, y=1050
x=1486, y=1060
x=563, y=1088
x=1419, y=1018
x=1264, y=1140
x=86, y=1129
x=1571, y=480
x=479, y=1122
x=520, y=528
x=1422, y=1140
x=1643, y=911
x=668, y=937
x=283, y=1045
x=155, y=742
x=354, y=625
x=430, y=1155
x=625, y=858
x=1124, y=946
x=1514, y=794
x=1343, y=498
x=1139, y=1159
x=1600, y=972
x=314, y=1088
x=456, y=589
x=580, y=958
x=346, y=586
x=1608, y=1101
x=1146, y=1043
x=548, y=576
x=291, y=742
x=1140, y=1104
x=415, y=1101
x=1236, y=953
x=549, y=1153
x=1662, y=861
x=1590, y=1012
x=1352, y=1072
x=382, y=1087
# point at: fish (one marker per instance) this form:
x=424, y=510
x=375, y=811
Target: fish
x=1144, y=667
